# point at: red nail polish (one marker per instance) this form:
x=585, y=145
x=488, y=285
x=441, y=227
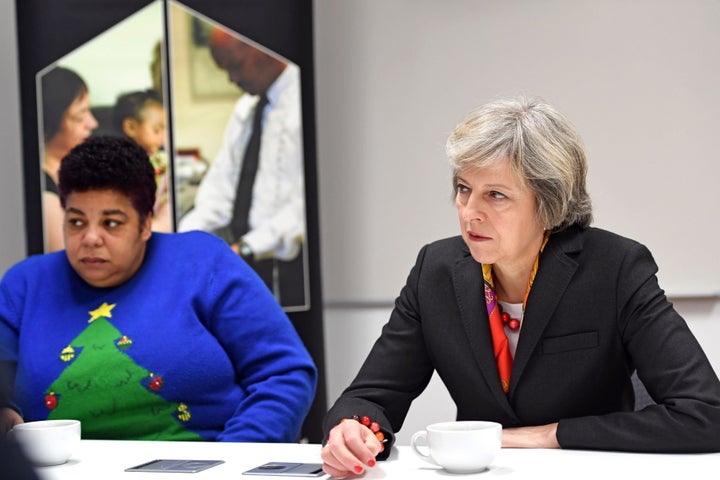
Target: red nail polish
x=371, y=463
x=358, y=469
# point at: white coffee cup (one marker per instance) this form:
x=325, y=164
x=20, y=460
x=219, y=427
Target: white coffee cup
x=47, y=442
x=459, y=447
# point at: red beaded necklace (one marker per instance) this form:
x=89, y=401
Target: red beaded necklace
x=512, y=323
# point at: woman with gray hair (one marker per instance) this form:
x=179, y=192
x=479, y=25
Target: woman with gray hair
x=531, y=317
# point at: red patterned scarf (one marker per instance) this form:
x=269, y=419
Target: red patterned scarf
x=501, y=349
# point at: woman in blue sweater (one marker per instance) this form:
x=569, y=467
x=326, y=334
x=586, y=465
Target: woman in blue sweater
x=142, y=335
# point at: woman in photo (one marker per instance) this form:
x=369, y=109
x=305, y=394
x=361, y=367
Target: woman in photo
x=67, y=121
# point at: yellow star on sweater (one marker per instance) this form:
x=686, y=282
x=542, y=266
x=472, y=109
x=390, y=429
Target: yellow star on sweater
x=102, y=311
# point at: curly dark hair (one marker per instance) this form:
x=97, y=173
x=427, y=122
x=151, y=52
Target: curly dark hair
x=109, y=163
x=131, y=104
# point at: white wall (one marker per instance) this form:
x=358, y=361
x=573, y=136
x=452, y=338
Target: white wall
x=638, y=79
x=12, y=217
x=382, y=175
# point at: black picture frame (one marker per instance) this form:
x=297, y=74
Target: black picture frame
x=48, y=31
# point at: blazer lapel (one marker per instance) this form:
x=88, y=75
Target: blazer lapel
x=555, y=271
x=468, y=284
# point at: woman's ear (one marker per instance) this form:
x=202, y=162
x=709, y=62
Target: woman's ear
x=146, y=227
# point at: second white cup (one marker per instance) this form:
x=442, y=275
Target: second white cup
x=459, y=447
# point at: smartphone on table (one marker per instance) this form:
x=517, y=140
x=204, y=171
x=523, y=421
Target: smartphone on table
x=174, y=466
x=288, y=469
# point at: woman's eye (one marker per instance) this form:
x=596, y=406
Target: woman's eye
x=74, y=222
x=497, y=195
x=112, y=223
x=460, y=188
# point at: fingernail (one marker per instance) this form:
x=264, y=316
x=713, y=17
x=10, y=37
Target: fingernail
x=382, y=448
x=371, y=463
x=358, y=469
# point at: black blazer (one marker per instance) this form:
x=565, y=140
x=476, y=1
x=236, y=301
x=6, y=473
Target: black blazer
x=594, y=315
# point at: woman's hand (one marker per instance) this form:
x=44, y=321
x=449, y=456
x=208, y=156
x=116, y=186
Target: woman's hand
x=542, y=436
x=8, y=419
x=349, y=448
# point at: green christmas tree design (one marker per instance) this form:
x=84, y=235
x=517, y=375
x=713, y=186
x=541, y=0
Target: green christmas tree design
x=112, y=395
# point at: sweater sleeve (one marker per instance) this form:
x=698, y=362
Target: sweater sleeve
x=271, y=363
x=672, y=366
x=9, y=328
x=9, y=320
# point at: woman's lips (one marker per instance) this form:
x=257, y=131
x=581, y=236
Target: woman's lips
x=476, y=237
x=92, y=262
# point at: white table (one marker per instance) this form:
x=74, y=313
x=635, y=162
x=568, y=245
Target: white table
x=107, y=460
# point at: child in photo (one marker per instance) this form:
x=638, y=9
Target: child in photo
x=140, y=115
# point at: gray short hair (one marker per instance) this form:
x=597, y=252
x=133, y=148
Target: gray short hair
x=542, y=147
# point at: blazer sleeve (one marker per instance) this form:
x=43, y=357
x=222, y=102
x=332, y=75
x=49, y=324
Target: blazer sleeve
x=671, y=364
x=396, y=371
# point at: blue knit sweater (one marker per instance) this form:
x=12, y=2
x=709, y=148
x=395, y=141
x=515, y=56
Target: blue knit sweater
x=194, y=346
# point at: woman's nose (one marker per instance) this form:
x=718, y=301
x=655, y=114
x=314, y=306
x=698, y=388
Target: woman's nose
x=92, y=122
x=474, y=210
x=92, y=237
